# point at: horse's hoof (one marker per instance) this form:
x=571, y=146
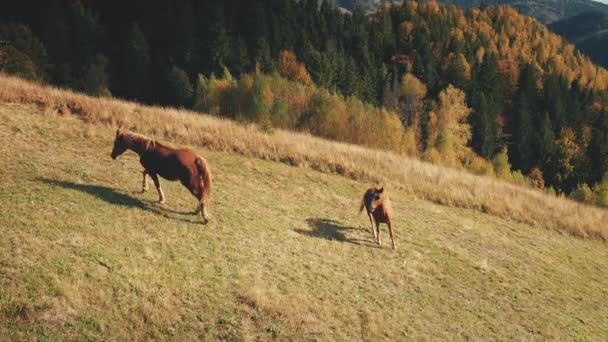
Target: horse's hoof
x=205, y=221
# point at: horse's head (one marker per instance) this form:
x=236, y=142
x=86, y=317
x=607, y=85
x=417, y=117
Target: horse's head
x=373, y=198
x=119, y=145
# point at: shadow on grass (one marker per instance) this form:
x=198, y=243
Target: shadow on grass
x=332, y=230
x=114, y=197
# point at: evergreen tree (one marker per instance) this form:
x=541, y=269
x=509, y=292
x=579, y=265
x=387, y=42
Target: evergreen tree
x=23, y=40
x=178, y=89
x=181, y=30
x=15, y=62
x=55, y=36
x=522, y=121
x=485, y=129
x=554, y=97
x=86, y=34
x=598, y=149
x=487, y=102
x=136, y=63
x=522, y=152
x=239, y=61
x=262, y=55
x=348, y=81
x=96, y=81
x=545, y=149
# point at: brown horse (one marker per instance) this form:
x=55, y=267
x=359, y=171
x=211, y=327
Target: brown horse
x=378, y=207
x=169, y=163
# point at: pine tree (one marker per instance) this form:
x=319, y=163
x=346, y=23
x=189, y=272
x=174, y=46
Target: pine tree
x=554, y=97
x=522, y=152
x=178, y=89
x=96, y=81
x=262, y=56
x=86, y=33
x=55, y=36
x=598, y=149
x=23, y=40
x=486, y=131
x=545, y=149
x=136, y=63
x=487, y=102
x=181, y=31
x=239, y=61
x=213, y=44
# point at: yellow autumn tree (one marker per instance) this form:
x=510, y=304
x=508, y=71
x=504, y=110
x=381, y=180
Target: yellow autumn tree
x=450, y=132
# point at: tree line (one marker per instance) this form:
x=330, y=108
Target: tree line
x=487, y=82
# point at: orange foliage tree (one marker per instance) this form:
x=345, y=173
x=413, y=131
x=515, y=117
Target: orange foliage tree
x=290, y=68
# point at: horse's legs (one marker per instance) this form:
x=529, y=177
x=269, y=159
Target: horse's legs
x=196, y=188
x=371, y=222
x=202, y=209
x=390, y=230
x=144, y=184
x=161, y=195
x=378, y=234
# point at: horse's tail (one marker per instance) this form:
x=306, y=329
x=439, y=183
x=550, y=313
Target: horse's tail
x=205, y=174
x=362, y=205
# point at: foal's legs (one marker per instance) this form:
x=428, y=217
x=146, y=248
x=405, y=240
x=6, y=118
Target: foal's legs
x=390, y=230
x=378, y=234
x=371, y=222
x=161, y=195
x=144, y=184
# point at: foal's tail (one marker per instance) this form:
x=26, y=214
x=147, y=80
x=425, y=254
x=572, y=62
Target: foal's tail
x=362, y=205
x=205, y=173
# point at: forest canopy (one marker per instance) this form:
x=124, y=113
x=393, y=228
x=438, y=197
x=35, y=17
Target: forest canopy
x=486, y=88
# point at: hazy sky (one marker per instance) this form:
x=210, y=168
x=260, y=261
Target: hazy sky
x=604, y=1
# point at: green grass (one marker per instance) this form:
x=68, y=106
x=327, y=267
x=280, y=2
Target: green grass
x=84, y=257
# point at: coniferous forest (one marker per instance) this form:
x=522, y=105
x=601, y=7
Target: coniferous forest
x=487, y=89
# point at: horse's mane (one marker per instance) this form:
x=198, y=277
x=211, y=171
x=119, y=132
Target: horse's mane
x=136, y=138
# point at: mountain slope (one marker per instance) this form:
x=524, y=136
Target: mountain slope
x=84, y=257
x=585, y=17
x=589, y=32
x=546, y=11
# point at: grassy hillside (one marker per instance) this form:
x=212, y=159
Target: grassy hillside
x=82, y=256
x=423, y=180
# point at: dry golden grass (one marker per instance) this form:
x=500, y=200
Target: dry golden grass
x=426, y=181
x=83, y=257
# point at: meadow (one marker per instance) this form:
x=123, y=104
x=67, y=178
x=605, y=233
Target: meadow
x=83, y=256
x=438, y=184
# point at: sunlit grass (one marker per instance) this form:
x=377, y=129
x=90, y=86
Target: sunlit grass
x=84, y=257
x=426, y=181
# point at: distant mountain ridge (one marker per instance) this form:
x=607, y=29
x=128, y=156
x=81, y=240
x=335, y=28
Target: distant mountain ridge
x=545, y=11
x=584, y=23
x=589, y=32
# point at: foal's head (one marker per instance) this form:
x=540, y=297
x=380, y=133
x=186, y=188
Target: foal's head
x=373, y=198
x=120, y=145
